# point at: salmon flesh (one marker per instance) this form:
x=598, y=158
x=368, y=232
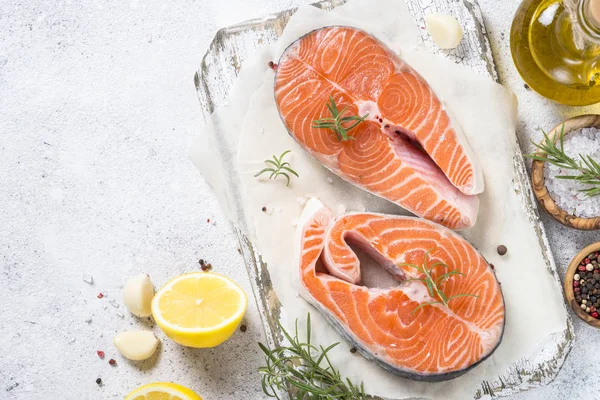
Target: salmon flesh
x=409, y=149
x=432, y=343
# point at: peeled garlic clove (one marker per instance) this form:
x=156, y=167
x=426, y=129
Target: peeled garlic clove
x=137, y=295
x=445, y=30
x=136, y=345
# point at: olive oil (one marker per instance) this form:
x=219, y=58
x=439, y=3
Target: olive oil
x=556, y=47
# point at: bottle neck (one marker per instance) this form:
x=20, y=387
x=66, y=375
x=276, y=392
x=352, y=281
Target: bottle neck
x=588, y=16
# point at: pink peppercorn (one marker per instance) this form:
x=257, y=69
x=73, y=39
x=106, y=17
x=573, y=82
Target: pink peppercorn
x=586, y=261
x=100, y=353
x=595, y=314
x=576, y=284
x=592, y=309
x=112, y=361
x=581, y=268
x=577, y=290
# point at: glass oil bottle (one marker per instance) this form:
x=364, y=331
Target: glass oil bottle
x=556, y=48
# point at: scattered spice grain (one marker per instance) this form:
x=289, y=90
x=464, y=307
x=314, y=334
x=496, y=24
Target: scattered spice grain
x=502, y=250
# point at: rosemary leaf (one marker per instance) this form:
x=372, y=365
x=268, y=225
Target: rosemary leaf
x=337, y=123
x=275, y=167
x=448, y=275
x=588, y=169
x=433, y=285
x=291, y=171
x=462, y=295
x=430, y=303
x=305, y=371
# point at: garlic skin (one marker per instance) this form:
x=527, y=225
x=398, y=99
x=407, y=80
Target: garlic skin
x=136, y=345
x=137, y=295
x=446, y=32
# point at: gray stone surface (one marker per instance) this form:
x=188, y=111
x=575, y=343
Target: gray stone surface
x=97, y=109
x=577, y=380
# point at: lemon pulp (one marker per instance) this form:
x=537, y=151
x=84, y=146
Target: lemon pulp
x=199, y=309
x=162, y=391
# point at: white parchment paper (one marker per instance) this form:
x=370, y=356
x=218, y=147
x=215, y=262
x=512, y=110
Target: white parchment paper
x=252, y=132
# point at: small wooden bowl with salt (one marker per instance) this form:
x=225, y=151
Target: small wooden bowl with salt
x=570, y=278
x=538, y=179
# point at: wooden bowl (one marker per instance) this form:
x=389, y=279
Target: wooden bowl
x=570, y=295
x=539, y=186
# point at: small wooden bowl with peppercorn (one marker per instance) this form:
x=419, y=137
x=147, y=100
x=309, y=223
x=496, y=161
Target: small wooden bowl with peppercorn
x=582, y=284
x=538, y=180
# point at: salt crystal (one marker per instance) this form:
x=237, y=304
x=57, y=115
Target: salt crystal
x=88, y=320
x=87, y=278
x=566, y=193
x=120, y=315
x=329, y=180
x=72, y=340
x=114, y=303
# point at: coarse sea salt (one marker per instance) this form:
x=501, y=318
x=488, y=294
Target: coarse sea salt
x=566, y=193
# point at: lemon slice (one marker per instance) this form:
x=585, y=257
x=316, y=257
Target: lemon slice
x=162, y=391
x=200, y=309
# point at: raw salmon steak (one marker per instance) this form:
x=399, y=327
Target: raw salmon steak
x=409, y=150
x=435, y=342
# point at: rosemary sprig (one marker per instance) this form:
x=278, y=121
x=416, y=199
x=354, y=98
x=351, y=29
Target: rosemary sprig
x=305, y=371
x=433, y=285
x=336, y=124
x=277, y=167
x=588, y=168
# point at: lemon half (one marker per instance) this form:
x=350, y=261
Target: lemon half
x=162, y=391
x=199, y=309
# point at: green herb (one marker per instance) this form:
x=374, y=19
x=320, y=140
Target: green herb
x=433, y=285
x=588, y=168
x=277, y=167
x=305, y=371
x=336, y=124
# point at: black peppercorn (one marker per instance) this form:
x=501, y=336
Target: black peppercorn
x=502, y=249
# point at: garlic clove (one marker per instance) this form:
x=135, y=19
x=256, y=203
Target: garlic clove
x=136, y=345
x=445, y=30
x=137, y=295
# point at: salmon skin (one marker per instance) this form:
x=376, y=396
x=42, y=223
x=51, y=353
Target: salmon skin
x=432, y=343
x=409, y=150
